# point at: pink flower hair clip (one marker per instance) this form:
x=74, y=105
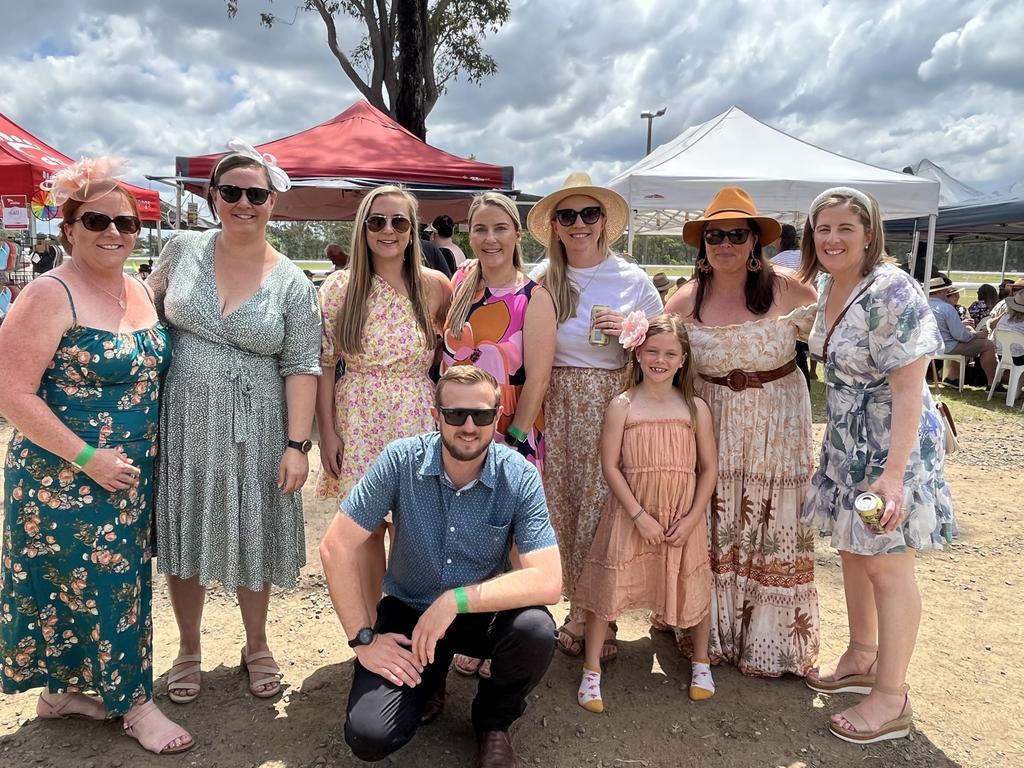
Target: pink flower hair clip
x=88, y=179
x=634, y=330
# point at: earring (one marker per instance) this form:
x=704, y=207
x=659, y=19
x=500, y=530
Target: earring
x=753, y=264
x=703, y=265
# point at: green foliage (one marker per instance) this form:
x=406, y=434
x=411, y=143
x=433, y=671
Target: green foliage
x=306, y=240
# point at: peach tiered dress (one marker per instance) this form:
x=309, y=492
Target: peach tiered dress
x=623, y=572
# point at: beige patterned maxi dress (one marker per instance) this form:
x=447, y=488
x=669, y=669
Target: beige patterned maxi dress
x=764, y=612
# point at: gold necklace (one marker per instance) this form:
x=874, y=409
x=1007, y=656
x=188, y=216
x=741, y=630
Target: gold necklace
x=119, y=299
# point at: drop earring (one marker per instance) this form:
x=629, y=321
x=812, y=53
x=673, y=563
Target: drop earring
x=703, y=265
x=753, y=264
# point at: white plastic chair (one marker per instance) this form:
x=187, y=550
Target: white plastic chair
x=1003, y=339
x=953, y=359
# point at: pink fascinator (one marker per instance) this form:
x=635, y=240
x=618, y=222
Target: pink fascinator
x=88, y=179
x=634, y=330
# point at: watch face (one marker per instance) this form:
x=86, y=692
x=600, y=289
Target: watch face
x=365, y=636
x=307, y=446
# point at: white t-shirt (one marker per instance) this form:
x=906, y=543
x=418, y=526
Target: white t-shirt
x=615, y=283
x=460, y=257
x=788, y=259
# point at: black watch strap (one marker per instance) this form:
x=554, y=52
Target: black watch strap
x=301, y=445
x=363, y=637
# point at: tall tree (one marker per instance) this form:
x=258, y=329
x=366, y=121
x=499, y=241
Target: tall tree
x=444, y=37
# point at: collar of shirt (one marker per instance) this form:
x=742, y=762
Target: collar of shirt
x=432, y=466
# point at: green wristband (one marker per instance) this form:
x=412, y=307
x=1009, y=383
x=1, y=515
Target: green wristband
x=83, y=458
x=461, y=601
x=517, y=433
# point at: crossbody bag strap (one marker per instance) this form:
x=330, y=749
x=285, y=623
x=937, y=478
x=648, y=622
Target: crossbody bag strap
x=835, y=324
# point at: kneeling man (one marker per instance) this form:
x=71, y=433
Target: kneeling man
x=459, y=501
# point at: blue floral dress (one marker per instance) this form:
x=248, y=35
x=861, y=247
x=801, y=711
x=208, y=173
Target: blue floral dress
x=75, y=605
x=887, y=326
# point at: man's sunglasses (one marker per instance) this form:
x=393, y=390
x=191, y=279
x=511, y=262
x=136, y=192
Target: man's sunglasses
x=229, y=193
x=98, y=222
x=567, y=216
x=456, y=417
x=717, y=236
x=378, y=221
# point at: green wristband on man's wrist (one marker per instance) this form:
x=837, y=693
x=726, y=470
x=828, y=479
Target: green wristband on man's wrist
x=83, y=457
x=461, y=601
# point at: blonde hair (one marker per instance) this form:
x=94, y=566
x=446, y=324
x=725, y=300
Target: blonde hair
x=353, y=312
x=871, y=218
x=466, y=374
x=564, y=293
x=684, y=379
x=473, y=280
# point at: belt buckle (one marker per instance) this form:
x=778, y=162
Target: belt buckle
x=737, y=380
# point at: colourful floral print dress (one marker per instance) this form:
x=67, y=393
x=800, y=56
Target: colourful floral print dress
x=385, y=392
x=75, y=606
x=492, y=339
x=888, y=326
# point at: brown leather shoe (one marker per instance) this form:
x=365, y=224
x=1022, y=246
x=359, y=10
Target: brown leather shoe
x=434, y=707
x=495, y=751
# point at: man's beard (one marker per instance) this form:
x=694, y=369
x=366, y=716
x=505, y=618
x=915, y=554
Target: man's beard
x=463, y=454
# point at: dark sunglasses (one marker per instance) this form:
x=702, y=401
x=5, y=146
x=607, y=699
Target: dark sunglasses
x=229, y=193
x=400, y=224
x=98, y=222
x=456, y=417
x=716, y=236
x=567, y=216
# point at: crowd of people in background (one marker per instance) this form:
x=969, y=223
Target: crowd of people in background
x=579, y=430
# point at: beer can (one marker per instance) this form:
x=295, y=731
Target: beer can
x=870, y=507
x=597, y=337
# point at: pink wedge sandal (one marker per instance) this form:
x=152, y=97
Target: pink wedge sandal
x=163, y=735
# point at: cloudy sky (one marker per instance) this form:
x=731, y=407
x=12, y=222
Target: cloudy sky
x=885, y=82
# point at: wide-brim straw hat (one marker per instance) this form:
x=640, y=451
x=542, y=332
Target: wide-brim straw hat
x=615, y=207
x=939, y=283
x=1015, y=303
x=732, y=203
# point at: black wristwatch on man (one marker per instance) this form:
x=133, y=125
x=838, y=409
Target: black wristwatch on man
x=363, y=637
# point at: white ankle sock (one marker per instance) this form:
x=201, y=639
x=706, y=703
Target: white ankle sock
x=702, y=684
x=589, y=694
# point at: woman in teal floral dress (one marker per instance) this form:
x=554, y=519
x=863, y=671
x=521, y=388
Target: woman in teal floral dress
x=883, y=434
x=75, y=601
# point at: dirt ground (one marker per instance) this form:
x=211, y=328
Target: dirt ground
x=966, y=678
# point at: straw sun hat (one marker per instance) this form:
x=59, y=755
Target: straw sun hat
x=615, y=208
x=1015, y=302
x=939, y=283
x=732, y=203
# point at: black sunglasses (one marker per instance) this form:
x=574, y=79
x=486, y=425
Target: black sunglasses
x=716, y=236
x=98, y=222
x=378, y=221
x=456, y=417
x=229, y=193
x=567, y=216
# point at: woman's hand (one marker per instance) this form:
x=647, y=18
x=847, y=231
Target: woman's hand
x=332, y=452
x=610, y=321
x=112, y=469
x=292, y=473
x=649, y=530
x=890, y=488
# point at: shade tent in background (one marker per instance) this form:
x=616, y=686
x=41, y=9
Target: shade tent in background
x=952, y=191
x=783, y=175
x=25, y=162
x=335, y=163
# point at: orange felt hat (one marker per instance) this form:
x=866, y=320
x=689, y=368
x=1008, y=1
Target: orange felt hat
x=732, y=203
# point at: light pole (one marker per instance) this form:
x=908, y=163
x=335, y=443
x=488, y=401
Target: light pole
x=649, y=116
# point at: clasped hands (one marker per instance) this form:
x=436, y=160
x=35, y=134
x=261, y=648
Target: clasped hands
x=679, y=528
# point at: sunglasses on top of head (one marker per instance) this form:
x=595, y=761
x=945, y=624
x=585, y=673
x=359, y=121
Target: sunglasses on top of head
x=98, y=222
x=567, y=216
x=456, y=417
x=229, y=193
x=718, y=236
x=377, y=221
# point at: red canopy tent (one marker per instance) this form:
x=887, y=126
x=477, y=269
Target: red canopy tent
x=333, y=164
x=25, y=162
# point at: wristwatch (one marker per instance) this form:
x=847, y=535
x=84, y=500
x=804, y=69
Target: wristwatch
x=363, y=637
x=304, y=445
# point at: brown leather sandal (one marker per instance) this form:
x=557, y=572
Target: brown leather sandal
x=859, y=732
x=859, y=683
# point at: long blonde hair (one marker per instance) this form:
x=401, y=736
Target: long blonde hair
x=684, y=379
x=474, y=278
x=564, y=292
x=352, y=316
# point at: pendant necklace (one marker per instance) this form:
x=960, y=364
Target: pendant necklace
x=119, y=299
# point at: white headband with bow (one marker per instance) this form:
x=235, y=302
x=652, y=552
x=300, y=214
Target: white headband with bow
x=856, y=194
x=278, y=178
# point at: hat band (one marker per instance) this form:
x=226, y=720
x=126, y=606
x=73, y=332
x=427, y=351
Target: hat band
x=747, y=214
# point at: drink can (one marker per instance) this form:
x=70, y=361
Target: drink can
x=870, y=507
x=597, y=337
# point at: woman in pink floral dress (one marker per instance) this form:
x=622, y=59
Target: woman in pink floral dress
x=379, y=317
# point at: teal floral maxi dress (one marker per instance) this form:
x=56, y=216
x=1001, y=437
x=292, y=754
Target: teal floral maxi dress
x=75, y=605
x=888, y=326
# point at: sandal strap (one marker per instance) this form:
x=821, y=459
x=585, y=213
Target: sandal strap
x=274, y=672
x=156, y=742
x=903, y=690
x=182, y=667
x=863, y=648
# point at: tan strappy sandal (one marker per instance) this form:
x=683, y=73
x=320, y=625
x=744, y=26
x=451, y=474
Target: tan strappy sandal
x=271, y=674
x=861, y=683
x=182, y=667
x=860, y=732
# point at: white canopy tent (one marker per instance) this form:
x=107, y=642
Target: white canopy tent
x=782, y=174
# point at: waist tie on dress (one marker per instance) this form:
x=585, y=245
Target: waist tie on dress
x=860, y=398
x=241, y=404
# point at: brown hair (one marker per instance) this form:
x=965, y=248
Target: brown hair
x=466, y=374
x=759, y=289
x=684, y=379
x=70, y=208
x=229, y=163
x=564, y=293
x=352, y=315
x=871, y=218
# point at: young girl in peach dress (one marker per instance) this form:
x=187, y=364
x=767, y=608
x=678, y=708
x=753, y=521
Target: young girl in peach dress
x=659, y=460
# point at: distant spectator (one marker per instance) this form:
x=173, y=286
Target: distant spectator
x=337, y=255
x=309, y=274
x=45, y=256
x=958, y=337
x=444, y=228
x=144, y=269
x=953, y=299
x=662, y=283
x=1013, y=320
x=789, y=249
x=1004, y=287
x=980, y=309
x=1012, y=288
x=433, y=257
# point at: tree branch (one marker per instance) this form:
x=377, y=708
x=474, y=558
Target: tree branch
x=369, y=93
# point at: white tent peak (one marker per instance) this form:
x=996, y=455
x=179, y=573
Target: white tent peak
x=952, y=191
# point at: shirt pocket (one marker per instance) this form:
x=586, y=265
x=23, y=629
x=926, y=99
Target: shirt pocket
x=486, y=547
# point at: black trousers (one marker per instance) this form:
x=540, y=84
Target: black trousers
x=383, y=717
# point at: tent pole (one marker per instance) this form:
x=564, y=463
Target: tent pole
x=930, y=252
x=949, y=256
x=177, y=211
x=912, y=259
x=159, y=236
x=631, y=233
x=1006, y=250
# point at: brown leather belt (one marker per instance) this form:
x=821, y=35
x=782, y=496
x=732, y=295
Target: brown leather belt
x=738, y=380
